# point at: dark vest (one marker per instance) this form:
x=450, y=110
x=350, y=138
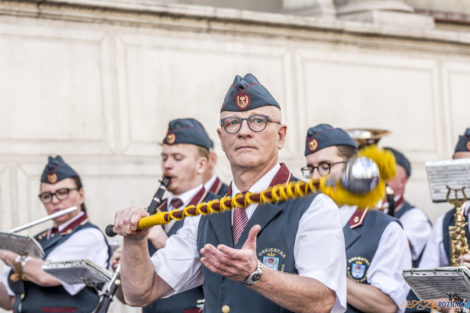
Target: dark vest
x=33, y=298
x=362, y=236
x=274, y=245
x=187, y=299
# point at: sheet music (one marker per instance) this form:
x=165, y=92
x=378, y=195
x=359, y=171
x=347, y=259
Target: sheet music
x=452, y=173
x=78, y=272
x=439, y=283
x=21, y=244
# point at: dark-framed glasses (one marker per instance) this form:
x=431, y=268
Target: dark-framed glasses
x=61, y=194
x=322, y=168
x=256, y=123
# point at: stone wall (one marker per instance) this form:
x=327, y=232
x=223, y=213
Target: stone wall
x=97, y=81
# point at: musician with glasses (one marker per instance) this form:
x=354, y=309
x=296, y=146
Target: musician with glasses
x=281, y=257
x=25, y=287
x=376, y=246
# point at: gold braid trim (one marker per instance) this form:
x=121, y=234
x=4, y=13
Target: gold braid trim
x=284, y=192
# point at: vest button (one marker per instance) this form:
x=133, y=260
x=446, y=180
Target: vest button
x=22, y=296
x=225, y=309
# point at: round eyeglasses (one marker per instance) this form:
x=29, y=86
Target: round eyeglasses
x=256, y=123
x=322, y=168
x=61, y=194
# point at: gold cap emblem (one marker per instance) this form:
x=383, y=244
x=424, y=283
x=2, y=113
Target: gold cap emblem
x=52, y=178
x=312, y=145
x=243, y=101
x=170, y=138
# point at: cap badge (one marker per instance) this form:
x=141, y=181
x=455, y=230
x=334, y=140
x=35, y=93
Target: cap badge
x=242, y=100
x=52, y=178
x=468, y=145
x=170, y=138
x=313, y=145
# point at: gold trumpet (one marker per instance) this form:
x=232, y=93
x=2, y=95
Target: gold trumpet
x=367, y=136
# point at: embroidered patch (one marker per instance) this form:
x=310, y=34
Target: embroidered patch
x=271, y=261
x=243, y=101
x=312, y=144
x=170, y=138
x=357, y=268
x=273, y=258
x=52, y=178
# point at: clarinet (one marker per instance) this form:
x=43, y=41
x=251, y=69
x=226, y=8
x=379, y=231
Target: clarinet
x=110, y=288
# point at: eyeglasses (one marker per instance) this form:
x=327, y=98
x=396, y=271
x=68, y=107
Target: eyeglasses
x=61, y=194
x=322, y=168
x=256, y=123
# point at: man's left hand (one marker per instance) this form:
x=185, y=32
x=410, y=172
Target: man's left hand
x=236, y=264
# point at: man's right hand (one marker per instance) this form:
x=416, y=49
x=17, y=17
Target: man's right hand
x=126, y=222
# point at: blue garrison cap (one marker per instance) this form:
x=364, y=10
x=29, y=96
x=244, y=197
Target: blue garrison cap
x=401, y=160
x=246, y=93
x=463, y=144
x=325, y=135
x=56, y=170
x=187, y=130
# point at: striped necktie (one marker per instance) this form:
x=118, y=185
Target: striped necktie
x=240, y=220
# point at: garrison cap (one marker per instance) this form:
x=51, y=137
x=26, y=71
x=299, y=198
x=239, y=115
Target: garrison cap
x=325, y=135
x=56, y=170
x=187, y=130
x=246, y=93
x=463, y=144
x=401, y=160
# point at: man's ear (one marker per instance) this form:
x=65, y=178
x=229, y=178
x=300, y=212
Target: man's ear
x=282, y=133
x=202, y=164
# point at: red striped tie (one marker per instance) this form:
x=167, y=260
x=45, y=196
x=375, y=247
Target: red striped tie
x=176, y=203
x=240, y=220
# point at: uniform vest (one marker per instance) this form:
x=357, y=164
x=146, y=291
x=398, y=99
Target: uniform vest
x=275, y=243
x=362, y=236
x=32, y=298
x=187, y=299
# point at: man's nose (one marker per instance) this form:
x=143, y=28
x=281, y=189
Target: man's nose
x=245, y=129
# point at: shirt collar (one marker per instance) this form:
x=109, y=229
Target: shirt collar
x=186, y=197
x=261, y=184
x=61, y=227
x=208, y=184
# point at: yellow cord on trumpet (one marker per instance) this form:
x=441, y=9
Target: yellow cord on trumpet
x=283, y=192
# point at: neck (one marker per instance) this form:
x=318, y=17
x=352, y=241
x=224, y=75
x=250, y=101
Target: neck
x=244, y=178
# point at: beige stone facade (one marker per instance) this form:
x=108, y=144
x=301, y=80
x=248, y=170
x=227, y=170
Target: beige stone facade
x=98, y=80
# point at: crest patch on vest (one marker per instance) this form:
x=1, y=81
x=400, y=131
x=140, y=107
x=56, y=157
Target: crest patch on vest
x=313, y=145
x=273, y=258
x=357, y=268
x=52, y=178
x=468, y=145
x=243, y=101
x=170, y=138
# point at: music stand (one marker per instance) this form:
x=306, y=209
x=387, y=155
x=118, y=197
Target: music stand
x=21, y=244
x=78, y=272
x=439, y=283
x=450, y=173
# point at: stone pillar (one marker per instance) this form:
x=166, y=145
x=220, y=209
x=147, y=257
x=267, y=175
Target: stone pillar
x=390, y=12
x=320, y=8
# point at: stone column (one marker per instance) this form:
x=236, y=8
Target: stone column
x=320, y=8
x=390, y=12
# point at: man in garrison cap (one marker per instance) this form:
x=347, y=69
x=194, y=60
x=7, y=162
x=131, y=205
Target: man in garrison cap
x=25, y=287
x=437, y=251
x=376, y=245
x=262, y=259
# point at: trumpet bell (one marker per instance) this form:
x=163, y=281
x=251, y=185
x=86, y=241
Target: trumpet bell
x=367, y=136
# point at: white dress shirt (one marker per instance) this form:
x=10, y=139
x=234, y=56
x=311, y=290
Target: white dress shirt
x=392, y=256
x=418, y=229
x=87, y=244
x=208, y=184
x=434, y=254
x=319, y=229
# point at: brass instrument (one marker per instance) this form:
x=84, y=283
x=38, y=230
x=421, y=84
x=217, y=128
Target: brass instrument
x=367, y=136
x=457, y=233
